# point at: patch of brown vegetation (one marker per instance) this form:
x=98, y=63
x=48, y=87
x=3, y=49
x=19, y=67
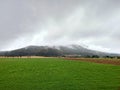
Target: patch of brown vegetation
x=102, y=61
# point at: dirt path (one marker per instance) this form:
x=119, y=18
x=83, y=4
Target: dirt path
x=102, y=61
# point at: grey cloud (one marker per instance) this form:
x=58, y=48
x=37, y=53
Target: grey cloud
x=23, y=22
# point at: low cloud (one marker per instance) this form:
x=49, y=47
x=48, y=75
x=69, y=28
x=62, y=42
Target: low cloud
x=60, y=22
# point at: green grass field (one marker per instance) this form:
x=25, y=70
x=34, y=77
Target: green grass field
x=57, y=74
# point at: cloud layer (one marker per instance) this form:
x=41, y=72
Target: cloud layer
x=94, y=23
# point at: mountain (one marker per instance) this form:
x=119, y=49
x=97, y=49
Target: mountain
x=75, y=50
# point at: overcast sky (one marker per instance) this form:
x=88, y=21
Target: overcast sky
x=91, y=23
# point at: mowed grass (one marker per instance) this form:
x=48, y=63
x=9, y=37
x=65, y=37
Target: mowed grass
x=57, y=74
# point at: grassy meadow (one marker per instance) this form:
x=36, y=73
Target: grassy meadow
x=57, y=74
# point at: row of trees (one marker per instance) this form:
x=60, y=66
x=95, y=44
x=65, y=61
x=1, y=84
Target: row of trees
x=96, y=56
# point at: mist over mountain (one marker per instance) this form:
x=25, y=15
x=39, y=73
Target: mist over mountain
x=76, y=50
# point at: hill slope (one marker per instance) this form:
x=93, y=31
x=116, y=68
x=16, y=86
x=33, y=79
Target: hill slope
x=54, y=51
